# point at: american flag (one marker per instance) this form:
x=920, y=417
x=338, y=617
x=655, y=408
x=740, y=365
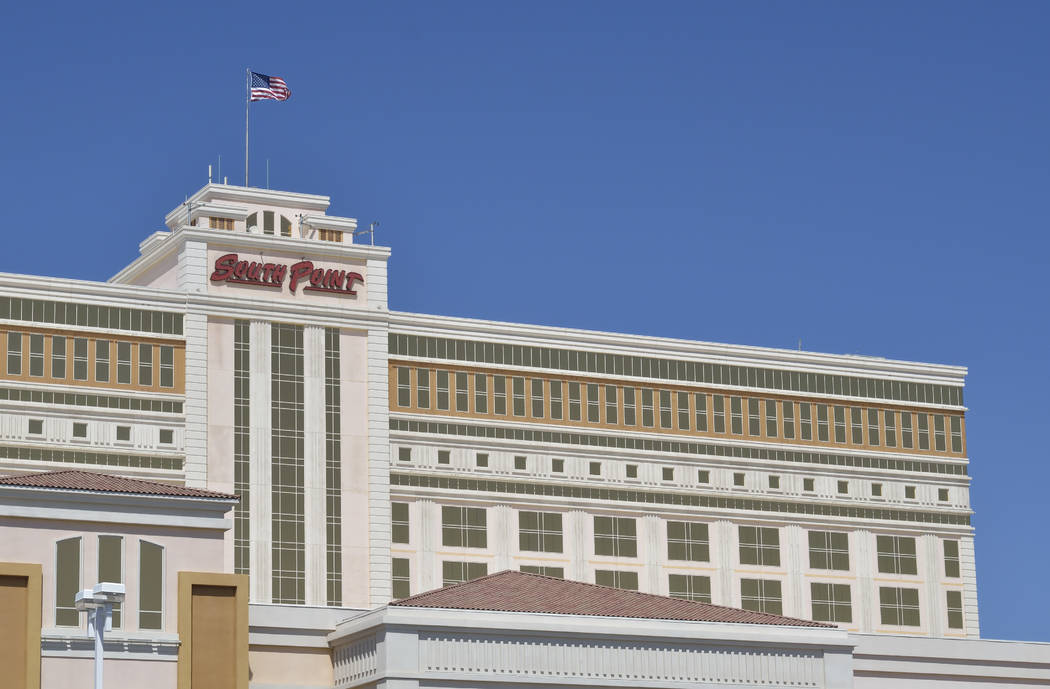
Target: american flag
x=269, y=88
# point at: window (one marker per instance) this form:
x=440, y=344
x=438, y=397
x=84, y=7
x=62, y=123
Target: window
x=67, y=582
x=36, y=426
x=831, y=602
x=951, y=559
x=404, y=387
x=499, y=395
x=909, y=492
x=14, y=354
x=555, y=386
x=593, y=412
x=632, y=470
x=481, y=459
x=759, y=545
x=628, y=407
x=688, y=541
x=683, y=411
x=700, y=402
x=58, y=357
x=124, y=363
x=771, y=418
x=36, y=355
x=840, y=424
x=955, y=609
x=665, y=409
x=594, y=468
x=667, y=473
x=896, y=554
x=647, y=408
x=462, y=394
x=956, y=427
x=898, y=606
x=889, y=420
x=574, y=402
x=286, y=227
x=616, y=579
x=736, y=418
x=761, y=595
x=615, y=536
x=146, y=365
x=330, y=235
x=873, y=427
x=151, y=585
x=555, y=572
x=938, y=433
x=481, y=393
x=79, y=430
x=399, y=522
x=805, y=421
x=856, y=426
x=267, y=222
x=537, y=398
x=876, y=490
x=754, y=421
x=422, y=388
x=703, y=476
x=828, y=550
x=442, y=391
x=540, y=532
x=788, y=410
x=463, y=527
x=404, y=454
x=444, y=456
x=843, y=487
x=520, y=463
x=459, y=572
x=102, y=361
x=401, y=578
x=220, y=223
x=167, y=436
x=558, y=466
x=942, y=494
x=822, y=423
x=774, y=482
x=167, y=367
x=738, y=479
x=124, y=434
x=720, y=414
x=906, y=441
x=808, y=485
x=922, y=426
x=611, y=415
x=111, y=567
x=690, y=587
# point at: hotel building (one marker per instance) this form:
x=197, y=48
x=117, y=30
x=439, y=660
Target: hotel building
x=248, y=360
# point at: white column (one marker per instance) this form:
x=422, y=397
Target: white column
x=195, y=330
x=380, y=588
x=928, y=549
x=314, y=465
x=578, y=533
x=650, y=536
x=722, y=553
x=795, y=549
x=429, y=530
x=261, y=451
x=866, y=602
x=968, y=570
x=502, y=535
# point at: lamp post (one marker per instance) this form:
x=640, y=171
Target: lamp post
x=98, y=602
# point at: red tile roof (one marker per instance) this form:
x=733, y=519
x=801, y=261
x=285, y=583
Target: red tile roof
x=105, y=483
x=511, y=591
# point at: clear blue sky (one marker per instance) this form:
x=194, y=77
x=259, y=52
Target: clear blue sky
x=868, y=178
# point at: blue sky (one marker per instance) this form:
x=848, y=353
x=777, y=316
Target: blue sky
x=866, y=178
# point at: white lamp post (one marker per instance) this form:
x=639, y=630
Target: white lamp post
x=98, y=603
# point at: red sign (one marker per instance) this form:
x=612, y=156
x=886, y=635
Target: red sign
x=229, y=269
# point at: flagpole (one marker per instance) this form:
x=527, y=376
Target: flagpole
x=247, y=102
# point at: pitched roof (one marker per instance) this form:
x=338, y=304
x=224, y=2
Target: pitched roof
x=106, y=483
x=511, y=591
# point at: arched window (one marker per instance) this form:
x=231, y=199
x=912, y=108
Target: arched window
x=111, y=568
x=151, y=585
x=68, y=578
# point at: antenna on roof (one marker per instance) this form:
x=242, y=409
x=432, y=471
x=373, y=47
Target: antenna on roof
x=209, y=173
x=371, y=232
x=267, y=173
x=218, y=175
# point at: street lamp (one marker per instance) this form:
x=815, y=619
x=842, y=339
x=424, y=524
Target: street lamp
x=98, y=603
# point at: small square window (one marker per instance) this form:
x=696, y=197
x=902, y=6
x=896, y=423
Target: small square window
x=843, y=487
x=123, y=432
x=808, y=485
x=520, y=463
x=404, y=454
x=738, y=479
x=558, y=466
x=632, y=471
x=876, y=490
x=668, y=473
x=36, y=426
x=703, y=476
x=80, y=430
x=596, y=469
x=444, y=456
x=942, y=494
x=167, y=436
x=774, y=482
x=482, y=459
x=909, y=492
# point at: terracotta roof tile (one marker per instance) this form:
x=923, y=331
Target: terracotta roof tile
x=511, y=591
x=105, y=483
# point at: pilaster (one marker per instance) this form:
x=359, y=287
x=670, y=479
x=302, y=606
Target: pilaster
x=314, y=523
x=261, y=449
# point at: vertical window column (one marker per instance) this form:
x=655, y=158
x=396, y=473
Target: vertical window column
x=241, y=444
x=333, y=473
x=287, y=468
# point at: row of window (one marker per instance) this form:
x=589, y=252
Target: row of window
x=96, y=459
x=674, y=410
x=670, y=474
x=61, y=358
x=670, y=369
x=90, y=315
x=78, y=399
x=165, y=436
x=831, y=602
x=542, y=532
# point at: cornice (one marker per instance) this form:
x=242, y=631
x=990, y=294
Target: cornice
x=252, y=195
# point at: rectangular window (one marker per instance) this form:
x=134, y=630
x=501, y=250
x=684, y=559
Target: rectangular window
x=36, y=355
x=896, y=554
x=665, y=409
x=761, y=595
x=831, y=602
x=615, y=536
x=906, y=440
x=683, y=411
x=401, y=578
x=444, y=457
x=404, y=454
x=481, y=393
x=771, y=418
x=151, y=585
x=593, y=411
x=788, y=410
x=67, y=582
x=689, y=587
x=951, y=559
x=840, y=424
x=942, y=494
x=79, y=430
x=736, y=416
x=631, y=470
x=889, y=419
x=111, y=567
x=822, y=423
x=805, y=422
x=14, y=354
x=423, y=388
x=873, y=427
x=463, y=394
x=899, y=606
x=938, y=433
x=460, y=572
x=922, y=427
x=58, y=357
x=828, y=550
x=167, y=366
x=611, y=411
x=556, y=412
x=102, y=361
x=80, y=358
x=146, y=365
x=856, y=425
x=808, y=485
x=754, y=418
x=688, y=541
x=700, y=411
x=956, y=427
x=540, y=532
x=558, y=466
x=481, y=459
x=909, y=492
x=876, y=490
x=738, y=479
x=555, y=572
x=667, y=473
x=463, y=527
x=616, y=579
x=124, y=434
x=124, y=363
x=536, y=398
x=442, y=391
x=499, y=395
x=575, y=411
x=629, y=418
x=648, y=415
x=521, y=463
x=774, y=482
x=843, y=487
x=759, y=545
x=594, y=468
x=720, y=413
x=518, y=395
x=955, y=609
x=399, y=522
x=703, y=476
x=404, y=386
